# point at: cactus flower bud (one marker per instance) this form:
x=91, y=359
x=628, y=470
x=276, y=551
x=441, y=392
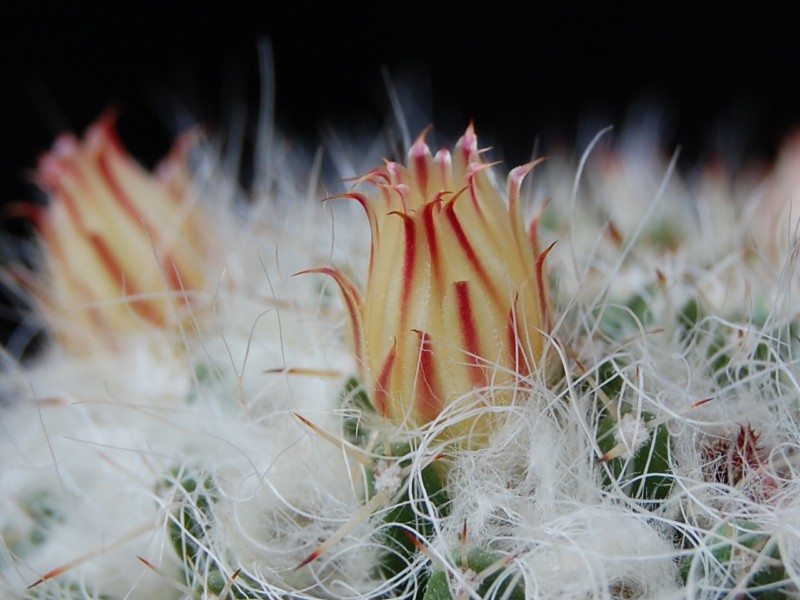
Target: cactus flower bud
x=455, y=300
x=123, y=249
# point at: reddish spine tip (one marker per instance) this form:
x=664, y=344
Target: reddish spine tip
x=303, y=419
x=701, y=403
x=311, y=558
x=414, y=540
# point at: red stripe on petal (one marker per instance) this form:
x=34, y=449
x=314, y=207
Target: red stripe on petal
x=78, y=290
x=474, y=197
x=472, y=183
x=409, y=263
x=119, y=193
x=533, y=230
x=541, y=285
x=175, y=279
x=403, y=193
x=146, y=308
x=421, y=169
x=110, y=264
x=376, y=176
x=468, y=144
x=380, y=398
x=428, y=398
x=70, y=205
x=471, y=255
x=533, y=236
x=353, y=304
x=367, y=204
x=428, y=216
x=514, y=184
x=469, y=332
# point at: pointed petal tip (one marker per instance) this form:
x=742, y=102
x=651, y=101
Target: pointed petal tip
x=178, y=154
x=477, y=167
x=468, y=143
x=449, y=204
x=103, y=131
x=362, y=199
x=470, y=131
x=420, y=146
x=517, y=174
x=52, y=165
x=401, y=214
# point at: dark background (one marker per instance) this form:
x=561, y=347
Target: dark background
x=725, y=78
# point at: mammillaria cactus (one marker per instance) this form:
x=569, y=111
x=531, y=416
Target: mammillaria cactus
x=457, y=420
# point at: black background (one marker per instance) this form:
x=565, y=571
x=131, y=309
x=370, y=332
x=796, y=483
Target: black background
x=724, y=76
x=727, y=76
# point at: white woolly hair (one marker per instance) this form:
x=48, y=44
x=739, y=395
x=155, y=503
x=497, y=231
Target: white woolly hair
x=180, y=468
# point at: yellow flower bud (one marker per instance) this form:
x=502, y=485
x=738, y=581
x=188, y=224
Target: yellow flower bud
x=123, y=249
x=456, y=300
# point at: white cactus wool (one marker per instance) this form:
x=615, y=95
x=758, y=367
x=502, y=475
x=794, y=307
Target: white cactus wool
x=219, y=413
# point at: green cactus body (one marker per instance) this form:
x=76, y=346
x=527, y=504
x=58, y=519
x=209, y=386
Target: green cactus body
x=495, y=584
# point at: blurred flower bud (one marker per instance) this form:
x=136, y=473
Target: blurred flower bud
x=123, y=249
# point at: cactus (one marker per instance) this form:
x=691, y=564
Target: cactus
x=612, y=416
